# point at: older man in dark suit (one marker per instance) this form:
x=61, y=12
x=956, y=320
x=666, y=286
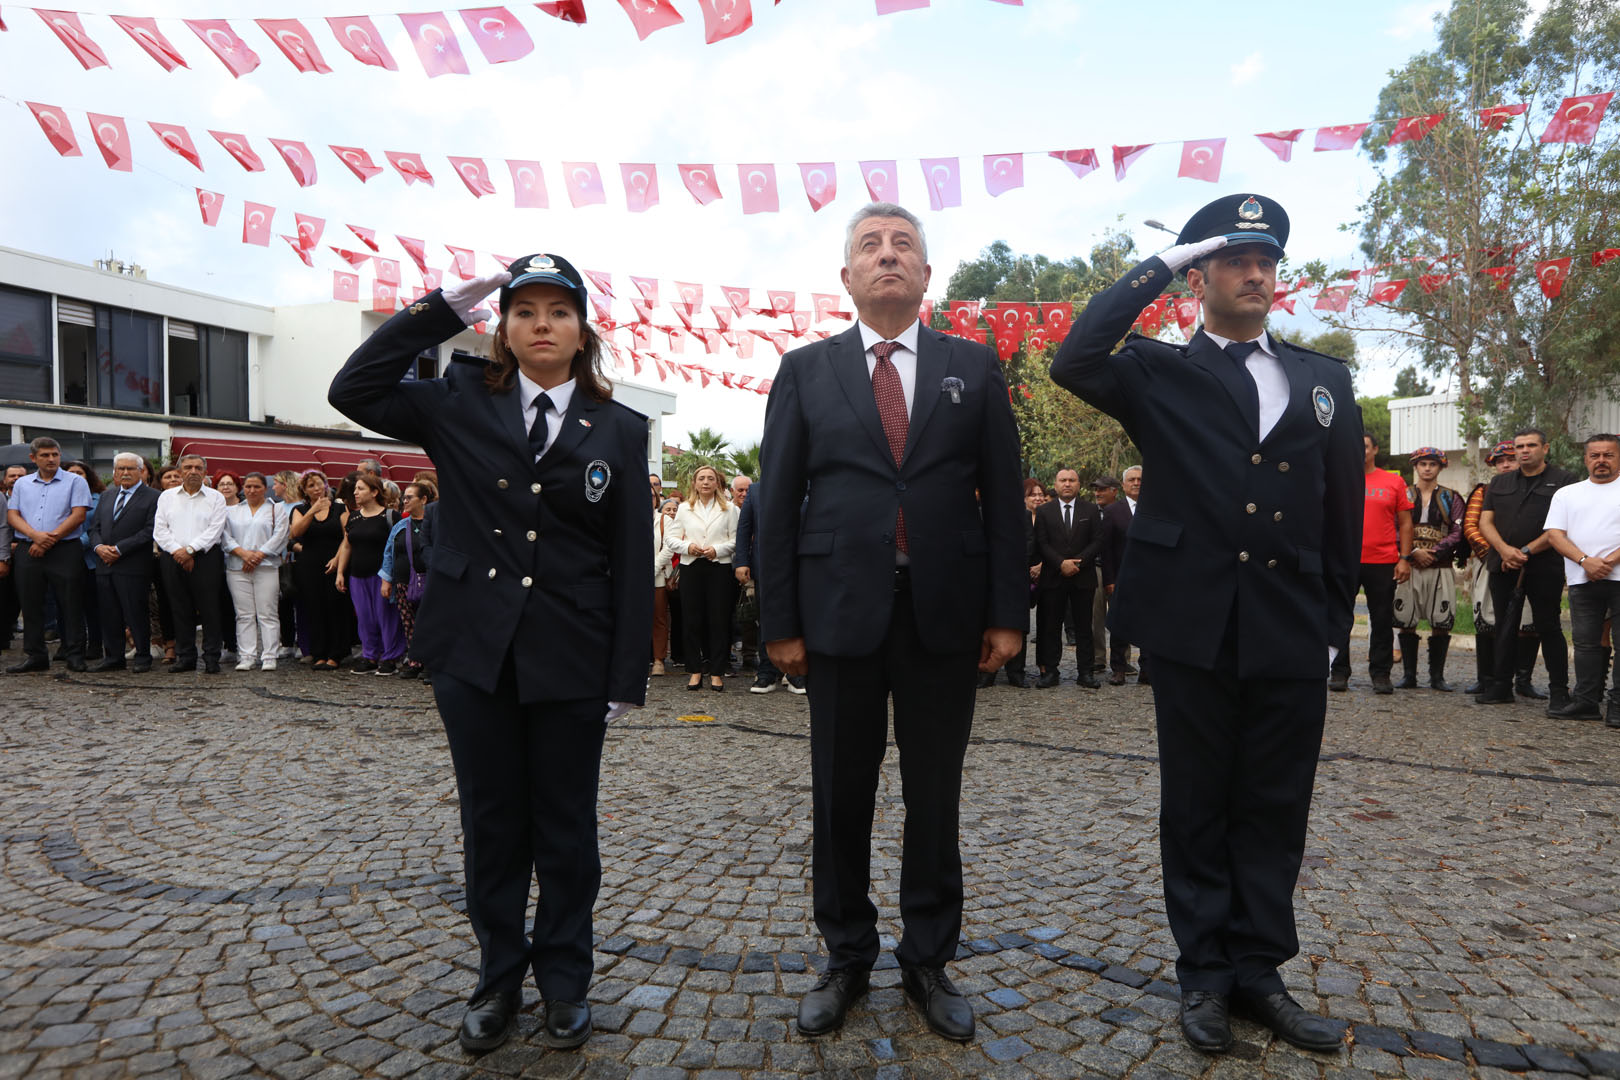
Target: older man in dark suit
x=121, y=541
x=1069, y=539
x=1116, y=524
x=891, y=563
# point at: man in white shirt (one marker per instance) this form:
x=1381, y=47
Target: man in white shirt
x=190, y=519
x=1583, y=525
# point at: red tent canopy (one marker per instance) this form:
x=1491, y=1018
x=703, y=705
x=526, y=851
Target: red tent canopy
x=249, y=455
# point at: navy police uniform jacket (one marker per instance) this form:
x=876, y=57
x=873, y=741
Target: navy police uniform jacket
x=547, y=559
x=1269, y=528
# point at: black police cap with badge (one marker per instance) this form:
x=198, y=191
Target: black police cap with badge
x=546, y=269
x=1242, y=219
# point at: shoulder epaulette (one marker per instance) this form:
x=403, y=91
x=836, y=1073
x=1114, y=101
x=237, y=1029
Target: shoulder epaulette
x=639, y=416
x=1326, y=356
x=1134, y=336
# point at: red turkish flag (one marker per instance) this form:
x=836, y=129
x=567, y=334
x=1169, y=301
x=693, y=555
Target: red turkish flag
x=237, y=146
x=826, y=305
x=782, y=301
x=1431, y=282
x=1604, y=255
x=603, y=308
x=1413, y=128
x=256, y=219
x=498, y=34
x=474, y=174
x=66, y=26
x=700, y=181
x=232, y=51
x=650, y=15
x=781, y=340
x=882, y=180
x=178, y=139
x=964, y=318
x=944, y=179
x=409, y=166
x=1003, y=172
x=584, y=183
x=801, y=322
x=1058, y=317
x=691, y=295
x=758, y=184
x=358, y=161
x=738, y=298
x=745, y=347
x=1186, y=311
x=1334, y=298
x=309, y=230
x=725, y=18
x=1080, y=162
x=292, y=242
x=360, y=39
x=367, y=237
x=1151, y=321
x=384, y=297
x=386, y=269
x=1036, y=341
x=643, y=310
x=298, y=158
x=640, y=186
x=416, y=249
x=435, y=43
x=567, y=10
x=1125, y=157
x=57, y=128
x=353, y=258
x=528, y=185
x=1281, y=143
x=147, y=35
x=1006, y=347
x=1500, y=273
x=210, y=203
x=723, y=317
x=683, y=312
x=461, y=262
x=820, y=182
x=295, y=44
x=345, y=286
x=1387, y=292
x=1496, y=117
x=601, y=279
x=711, y=339
x=1280, y=302
x=1552, y=273
x=647, y=287
x=889, y=7
x=112, y=138
x=1342, y=137
x=1201, y=159
x=1004, y=320
x=1577, y=118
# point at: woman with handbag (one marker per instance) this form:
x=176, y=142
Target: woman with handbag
x=704, y=534
x=406, y=549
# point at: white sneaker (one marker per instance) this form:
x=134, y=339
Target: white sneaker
x=269, y=664
x=245, y=664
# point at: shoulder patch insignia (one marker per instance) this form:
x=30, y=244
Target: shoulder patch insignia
x=597, y=477
x=1322, y=403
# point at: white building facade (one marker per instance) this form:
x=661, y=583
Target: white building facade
x=1436, y=420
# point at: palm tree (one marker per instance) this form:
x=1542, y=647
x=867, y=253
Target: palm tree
x=705, y=447
x=745, y=462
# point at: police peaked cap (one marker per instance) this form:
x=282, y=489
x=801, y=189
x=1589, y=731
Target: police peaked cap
x=545, y=269
x=1242, y=219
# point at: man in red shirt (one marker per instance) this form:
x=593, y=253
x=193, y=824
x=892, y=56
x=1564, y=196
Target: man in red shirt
x=1386, y=543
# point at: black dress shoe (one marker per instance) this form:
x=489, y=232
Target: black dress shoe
x=1289, y=1022
x=1492, y=696
x=946, y=1010
x=568, y=1024
x=75, y=665
x=27, y=666
x=1047, y=680
x=823, y=1008
x=489, y=1022
x=140, y=667
x=1339, y=683
x=985, y=681
x=1088, y=681
x=1525, y=688
x=183, y=665
x=1576, y=710
x=1382, y=685
x=1116, y=678
x=1205, y=1021
x=211, y=667
x=111, y=665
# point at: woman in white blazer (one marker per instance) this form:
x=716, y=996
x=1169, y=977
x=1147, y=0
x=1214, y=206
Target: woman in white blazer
x=704, y=534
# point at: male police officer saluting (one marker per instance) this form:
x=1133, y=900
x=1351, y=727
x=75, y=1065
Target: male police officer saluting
x=1239, y=568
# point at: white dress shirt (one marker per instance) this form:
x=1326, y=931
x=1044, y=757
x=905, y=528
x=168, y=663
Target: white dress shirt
x=264, y=530
x=189, y=521
x=904, y=358
x=560, y=396
x=1132, y=503
x=1269, y=378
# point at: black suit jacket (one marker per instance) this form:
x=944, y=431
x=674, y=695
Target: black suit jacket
x=825, y=545
x=131, y=534
x=1271, y=527
x=743, y=554
x=1055, y=544
x=524, y=557
x=1116, y=524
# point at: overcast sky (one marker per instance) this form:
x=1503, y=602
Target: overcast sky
x=814, y=80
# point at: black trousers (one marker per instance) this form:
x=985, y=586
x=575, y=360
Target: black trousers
x=1237, y=758
x=1378, y=580
x=327, y=610
x=849, y=734
x=527, y=779
x=62, y=570
x=193, y=601
x=10, y=607
x=1055, y=603
x=708, y=597
x=1543, y=589
x=1590, y=604
x=122, y=597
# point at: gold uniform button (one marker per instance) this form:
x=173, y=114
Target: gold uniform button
x=1135, y=283
x=1282, y=466
x=492, y=572
x=1255, y=460
x=527, y=582
x=1277, y=516
x=1243, y=556
x=534, y=489
x=1271, y=564
x=1251, y=508
x=501, y=484
x=1150, y=273
x=533, y=535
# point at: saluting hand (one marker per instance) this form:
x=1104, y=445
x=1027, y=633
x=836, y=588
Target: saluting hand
x=1184, y=255
x=463, y=297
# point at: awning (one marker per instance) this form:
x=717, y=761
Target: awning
x=258, y=455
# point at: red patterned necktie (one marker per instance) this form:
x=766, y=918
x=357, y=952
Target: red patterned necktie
x=891, y=403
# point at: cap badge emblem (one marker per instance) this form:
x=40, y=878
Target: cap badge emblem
x=1251, y=209
x=544, y=262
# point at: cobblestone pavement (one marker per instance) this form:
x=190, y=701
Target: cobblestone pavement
x=259, y=874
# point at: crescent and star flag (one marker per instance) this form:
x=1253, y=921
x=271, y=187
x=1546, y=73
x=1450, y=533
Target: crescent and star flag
x=691, y=295
x=360, y=39
x=1058, y=316
x=309, y=230
x=1431, y=282
x=944, y=179
x=648, y=288
x=232, y=51
x=758, y=184
x=640, y=186
x=210, y=203
x=435, y=44
x=1334, y=298
x=1342, y=137
x=1387, y=292
x=1003, y=172
x=1496, y=117
x=1281, y=302
x=528, y=185
x=567, y=10
x=178, y=139
x=820, y=182
x=431, y=279
x=367, y=237
x=256, y=219
x=57, y=128
x=416, y=249
x=1577, y=119
x=584, y=183
x=386, y=270
x=147, y=35
x=739, y=298
x=409, y=166
x=295, y=44
x=601, y=279
x=725, y=18
x=1080, y=162
x=650, y=15
x=498, y=34
x=643, y=310
x=345, y=286
x=353, y=258
x=1552, y=273
x=112, y=138
x=1036, y=341
x=882, y=180
x=1413, y=128
x=66, y=26
x=358, y=161
x=300, y=162
x=1500, y=273
x=1201, y=159
x=1281, y=143
x=1125, y=157
x=724, y=316
x=964, y=318
x=782, y=301
x=700, y=182
x=383, y=297
x=1186, y=309
x=474, y=174
x=236, y=146
x=826, y=305
x=602, y=306
x=461, y=262
x=1604, y=255
x=298, y=249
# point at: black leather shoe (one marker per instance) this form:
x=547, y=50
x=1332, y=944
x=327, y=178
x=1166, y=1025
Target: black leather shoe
x=140, y=667
x=946, y=1010
x=1438, y=682
x=210, y=667
x=1492, y=696
x=1576, y=710
x=75, y=665
x=1047, y=680
x=985, y=681
x=1088, y=681
x=1611, y=715
x=1339, y=683
x=1382, y=685
x=1116, y=678
x=489, y=1022
x=28, y=665
x=1557, y=701
x=568, y=1024
x=823, y=1008
x=180, y=666
x=1289, y=1022
x=1205, y=1021
x=1525, y=688
x=110, y=665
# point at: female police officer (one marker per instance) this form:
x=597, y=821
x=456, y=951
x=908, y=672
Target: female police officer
x=537, y=612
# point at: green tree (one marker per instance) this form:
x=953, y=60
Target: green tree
x=1375, y=422
x=705, y=446
x=1408, y=383
x=745, y=461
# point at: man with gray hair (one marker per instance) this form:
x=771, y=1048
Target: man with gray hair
x=188, y=525
x=121, y=541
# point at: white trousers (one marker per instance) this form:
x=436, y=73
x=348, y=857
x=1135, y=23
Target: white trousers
x=256, y=597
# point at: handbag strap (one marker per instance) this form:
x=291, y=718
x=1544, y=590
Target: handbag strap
x=410, y=555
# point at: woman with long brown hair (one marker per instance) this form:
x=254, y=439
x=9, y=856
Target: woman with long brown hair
x=318, y=525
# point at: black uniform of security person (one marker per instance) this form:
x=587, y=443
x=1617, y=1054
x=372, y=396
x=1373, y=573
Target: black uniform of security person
x=537, y=611
x=1238, y=571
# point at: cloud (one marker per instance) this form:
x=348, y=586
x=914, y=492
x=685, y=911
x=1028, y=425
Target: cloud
x=1415, y=20
x=1248, y=69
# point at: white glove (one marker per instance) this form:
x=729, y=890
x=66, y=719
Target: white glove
x=617, y=709
x=463, y=297
x=1184, y=255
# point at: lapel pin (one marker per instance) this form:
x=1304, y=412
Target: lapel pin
x=584, y=422
x=953, y=386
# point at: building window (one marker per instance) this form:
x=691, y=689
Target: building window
x=426, y=366
x=112, y=358
x=208, y=372
x=98, y=449
x=25, y=346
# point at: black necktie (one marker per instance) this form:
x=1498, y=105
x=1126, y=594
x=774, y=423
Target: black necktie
x=118, y=508
x=1068, y=522
x=537, y=430
x=1239, y=352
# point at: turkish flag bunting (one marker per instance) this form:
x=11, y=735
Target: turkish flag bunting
x=1279, y=303
x=435, y=43
x=711, y=339
x=236, y=145
x=584, y=183
x=353, y=258
x=147, y=35
x=677, y=343
x=1413, y=128
x=309, y=230
x=498, y=34
x=683, y=312
x=1125, y=157
x=210, y=203
x=964, y=318
x=1080, y=162
x=113, y=140
x=409, y=166
x=295, y=44
x=359, y=37
x=298, y=158
x=1004, y=320
x=758, y=183
x=745, y=348
x=1431, y=282
x=1003, y=172
x=386, y=269
x=782, y=301
x=826, y=305
x=1551, y=273
x=944, y=179
x=383, y=297
x=1604, y=255
x=764, y=386
x=178, y=139
x=292, y=242
x=603, y=307
x=1334, y=298
x=567, y=10
x=640, y=186
x=1186, y=309
x=1577, y=119
x=781, y=340
x=725, y=18
x=358, y=161
x=647, y=287
x=1006, y=347
x=232, y=51
x=1500, y=273
x=1201, y=159
x=656, y=15
x=1387, y=292
x=700, y=181
x=1342, y=137
x=723, y=317
x=461, y=262
x=57, y=128
x=1058, y=316
x=367, y=237
x=528, y=185
x=601, y=280
x=641, y=334
x=1281, y=143
x=801, y=322
x=1496, y=117
x=820, y=182
x=474, y=174
x=256, y=219
x=882, y=180
x=1036, y=341
x=643, y=309
x=1151, y=321
x=691, y=295
x=345, y=286
x=738, y=298
x=66, y=25
x=889, y=7
x=416, y=249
